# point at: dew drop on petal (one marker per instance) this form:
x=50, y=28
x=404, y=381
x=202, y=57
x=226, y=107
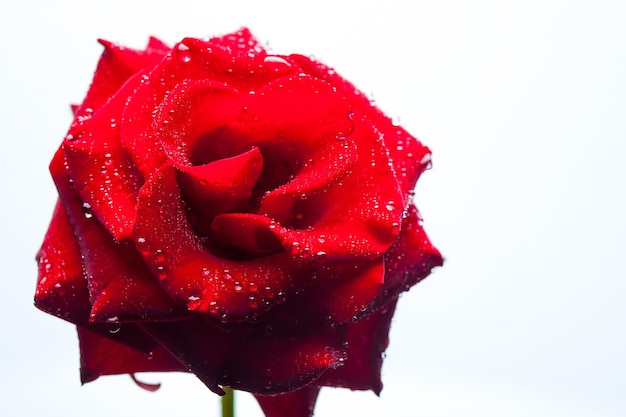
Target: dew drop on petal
x=253, y=303
x=194, y=302
x=87, y=211
x=113, y=325
x=183, y=53
x=160, y=257
x=161, y=273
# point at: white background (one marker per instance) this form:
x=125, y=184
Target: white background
x=523, y=105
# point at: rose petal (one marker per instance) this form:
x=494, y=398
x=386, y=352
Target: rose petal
x=408, y=261
x=188, y=115
x=198, y=274
x=61, y=285
x=102, y=356
x=221, y=186
x=121, y=287
x=299, y=403
x=355, y=202
x=102, y=171
x=62, y=288
x=249, y=233
x=191, y=59
x=258, y=365
x=367, y=340
x=409, y=157
x=117, y=64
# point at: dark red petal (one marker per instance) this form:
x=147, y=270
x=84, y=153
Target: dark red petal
x=117, y=64
x=145, y=385
x=408, y=261
x=121, y=287
x=203, y=277
x=299, y=403
x=250, y=233
x=367, y=340
x=102, y=356
x=331, y=295
x=255, y=364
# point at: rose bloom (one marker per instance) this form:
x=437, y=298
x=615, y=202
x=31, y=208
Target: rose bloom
x=240, y=215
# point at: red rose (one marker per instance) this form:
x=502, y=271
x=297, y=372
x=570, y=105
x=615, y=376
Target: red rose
x=243, y=216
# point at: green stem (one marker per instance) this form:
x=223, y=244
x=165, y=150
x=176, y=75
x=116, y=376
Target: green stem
x=228, y=403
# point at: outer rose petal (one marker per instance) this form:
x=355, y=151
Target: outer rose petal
x=408, y=261
x=241, y=65
x=103, y=356
x=61, y=286
x=121, y=287
x=101, y=169
x=299, y=403
x=258, y=365
x=409, y=157
x=117, y=64
x=367, y=340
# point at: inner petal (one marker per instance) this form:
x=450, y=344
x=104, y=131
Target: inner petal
x=222, y=186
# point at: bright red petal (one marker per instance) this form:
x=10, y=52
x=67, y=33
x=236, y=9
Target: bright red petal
x=121, y=287
x=61, y=286
x=198, y=274
x=117, y=64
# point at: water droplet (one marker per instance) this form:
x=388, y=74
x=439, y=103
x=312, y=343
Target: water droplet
x=160, y=256
x=161, y=273
x=295, y=248
x=321, y=256
x=269, y=293
x=238, y=287
x=193, y=302
x=390, y=206
x=213, y=308
x=253, y=303
x=113, y=325
x=253, y=287
x=183, y=53
x=87, y=211
x=69, y=137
